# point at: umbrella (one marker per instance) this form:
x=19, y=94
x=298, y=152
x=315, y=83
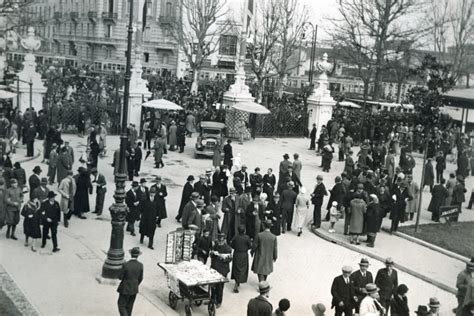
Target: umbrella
x=251, y=107
x=7, y=94
x=162, y=104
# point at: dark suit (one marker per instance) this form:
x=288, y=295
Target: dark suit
x=259, y=306
x=133, y=213
x=185, y=198
x=342, y=292
x=34, y=182
x=287, y=201
x=204, y=191
x=100, y=193
x=53, y=213
x=387, y=284
x=337, y=195
x=228, y=155
x=399, y=306
x=358, y=283
x=131, y=276
x=161, y=194
x=188, y=212
x=317, y=199
x=148, y=214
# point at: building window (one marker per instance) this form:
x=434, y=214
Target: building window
x=108, y=31
x=146, y=57
x=165, y=59
x=228, y=45
x=111, y=5
x=169, y=7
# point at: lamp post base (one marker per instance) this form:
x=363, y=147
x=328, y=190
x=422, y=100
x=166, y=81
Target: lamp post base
x=113, y=264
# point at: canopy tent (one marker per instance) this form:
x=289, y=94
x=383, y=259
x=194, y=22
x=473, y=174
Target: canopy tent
x=162, y=104
x=7, y=94
x=251, y=107
x=349, y=104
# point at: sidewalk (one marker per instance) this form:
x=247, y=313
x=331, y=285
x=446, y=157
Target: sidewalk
x=424, y=263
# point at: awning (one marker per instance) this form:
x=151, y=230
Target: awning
x=251, y=107
x=7, y=94
x=162, y=104
x=349, y=104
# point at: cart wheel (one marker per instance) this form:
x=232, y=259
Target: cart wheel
x=198, y=303
x=173, y=300
x=187, y=310
x=211, y=308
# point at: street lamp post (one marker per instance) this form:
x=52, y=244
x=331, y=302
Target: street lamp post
x=30, y=83
x=313, y=49
x=115, y=255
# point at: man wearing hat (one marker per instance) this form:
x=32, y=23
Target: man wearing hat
x=161, y=194
x=203, y=188
x=342, y=291
x=434, y=305
x=185, y=196
x=254, y=214
x=132, y=199
x=260, y=306
x=317, y=198
x=265, y=251
x=337, y=194
x=189, y=208
x=243, y=176
x=41, y=192
x=67, y=190
x=284, y=164
x=51, y=216
x=131, y=276
x=228, y=155
x=34, y=180
x=52, y=163
x=148, y=208
x=464, y=284
x=29, y=139
x=287, y=202
x=458, y=195
x=369, y=305
x=360, y=279
x=194, y=219
x=228, y=208
x=399, y=302
x=387, y=281
x=64, y=164
x=221, y=256
x=143, y=191
x=101, y=189
x=69, y=150
x=401, y=195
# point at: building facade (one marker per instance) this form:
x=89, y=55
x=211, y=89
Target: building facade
x=94, y=32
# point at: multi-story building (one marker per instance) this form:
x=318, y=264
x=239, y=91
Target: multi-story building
x=94, y=32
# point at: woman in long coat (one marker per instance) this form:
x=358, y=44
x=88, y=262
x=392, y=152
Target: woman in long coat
x=302, y=207
x=13, y=200
x=173, y=140
x=240, y=258
x=19, y=174
x=429, y=175
x=357, y=210
x=32, y=222
x=372, y=219
x=83, y=189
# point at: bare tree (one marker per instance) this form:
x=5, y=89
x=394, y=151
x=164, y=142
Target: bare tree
x=462, y=29
x=369, y=26
x=438, y=18
x=262, y=46
x=290, y=26
x=197, y=28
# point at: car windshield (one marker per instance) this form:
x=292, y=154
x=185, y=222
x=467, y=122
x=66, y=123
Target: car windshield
x=211, y=131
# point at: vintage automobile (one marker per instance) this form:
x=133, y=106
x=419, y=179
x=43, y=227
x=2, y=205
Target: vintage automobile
x=210, y=136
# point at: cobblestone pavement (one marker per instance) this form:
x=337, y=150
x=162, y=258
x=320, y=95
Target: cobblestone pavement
x=64, y=283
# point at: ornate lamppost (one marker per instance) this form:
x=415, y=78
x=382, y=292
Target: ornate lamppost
x=115, y=255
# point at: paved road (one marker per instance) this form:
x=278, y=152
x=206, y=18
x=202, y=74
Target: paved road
x=62, y=283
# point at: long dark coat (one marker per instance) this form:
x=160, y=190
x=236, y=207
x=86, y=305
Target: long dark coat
x=133, y=212
x=439, y=194
x=252, y=221
x=240, y=264
x=20, y=175
x=269, y=182
x=185, y=196
x=31, y=225
x=372, y=218
x=64, y=164
x=3, y=207
x=160, y=197
x=149, y=213
x=337, y=195
x=399, y=206
x=228, y=155
x=228, y=222
x=265, y=249
x=429, y=174
x=83, y=189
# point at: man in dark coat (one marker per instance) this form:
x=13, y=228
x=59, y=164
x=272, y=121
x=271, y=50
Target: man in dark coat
x=342, y=292
x=439, y=194
x=64, y=164
x=402, y=196
x=29, y=139
x=132, y=199
x=458, y=195
x=185, y=196
x=181, y=136
x=41, y=192
x=101, y=189
x=143, y=191
x=193, y=219
x=51, y=216
x=243, y=176
x=284, y=164
x=265, y=252
x=221, y=256
x=360, y=279
x=387, y=281
x=337, y=195
x=149, y=213
x=399, y=302
x=34, y=180
x=254, y=214
x=228, y=155
x=228, y=222
x=260, y=306
x=440, y=166
x=429, y=175
x=287, y=202
x=317, y=198
x=161, y=194
x=131, y=276
x=312, y=137
x=203, y=189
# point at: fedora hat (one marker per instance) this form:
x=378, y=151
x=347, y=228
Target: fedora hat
x=44, y=180
x=142, y=180
x=434, y=302
x=347, y=269
x=286, y=156
x=51, y=194
x=318, y=309
x=135, y=252
x=190, y=178
x=364, y=262
x=200, y=203
x=389, y=260
x=370, y=288
x=422, y=310
x=135, y=184
x=263, y=287
x=195, y=195
x=37, y=169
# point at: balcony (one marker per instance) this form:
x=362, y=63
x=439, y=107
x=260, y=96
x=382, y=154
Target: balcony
x=58, y=15
x=109, y=16
x=92, y=15
x=74, y=16
x=167, y=20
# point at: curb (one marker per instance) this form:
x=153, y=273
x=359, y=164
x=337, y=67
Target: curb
x=376, y=257
x=430, y=246
x=25, y=159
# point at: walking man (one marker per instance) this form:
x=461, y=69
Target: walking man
x=67, y=189
x=51, y=217
x=101, y=183
x=221, y=256
x=131, y=277
x=342, y=291
x=360, y=279
x=265, y=252
x=132, y=199
x=387, y=281
x=317, y=198
x=260, y=306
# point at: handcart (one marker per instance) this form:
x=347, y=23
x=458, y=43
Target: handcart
x=192, y=282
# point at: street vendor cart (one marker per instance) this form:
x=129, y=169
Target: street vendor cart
x=188, y=280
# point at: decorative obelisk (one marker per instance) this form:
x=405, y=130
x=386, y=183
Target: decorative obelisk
x=320, y=102
x=138, y=91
